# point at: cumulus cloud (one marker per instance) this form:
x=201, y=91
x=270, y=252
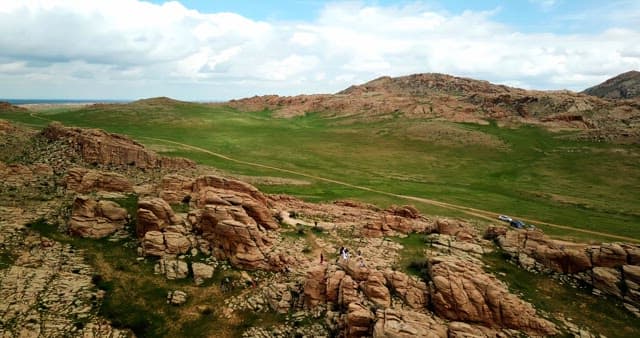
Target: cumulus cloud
x=131, y=48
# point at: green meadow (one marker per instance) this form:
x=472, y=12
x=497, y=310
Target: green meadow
x=523, y=171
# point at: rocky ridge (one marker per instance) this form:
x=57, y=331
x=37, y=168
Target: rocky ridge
x=99, y=147
x=623, y=86
x=610, y=268
x=277, y=254
x=459, y=99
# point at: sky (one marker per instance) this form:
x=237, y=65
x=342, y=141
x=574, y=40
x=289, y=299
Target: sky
x=221, y=49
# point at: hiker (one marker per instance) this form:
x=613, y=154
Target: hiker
x=321, y=258
x=346, y=254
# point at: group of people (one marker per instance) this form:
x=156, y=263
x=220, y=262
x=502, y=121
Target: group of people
x=344, y=253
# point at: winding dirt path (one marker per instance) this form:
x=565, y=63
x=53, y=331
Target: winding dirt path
x=484, y=214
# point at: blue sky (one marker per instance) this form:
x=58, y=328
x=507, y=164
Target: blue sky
x=218, y=50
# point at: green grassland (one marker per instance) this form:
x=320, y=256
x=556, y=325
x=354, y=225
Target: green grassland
x=524, y=172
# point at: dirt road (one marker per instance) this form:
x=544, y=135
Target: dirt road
x=484, y=214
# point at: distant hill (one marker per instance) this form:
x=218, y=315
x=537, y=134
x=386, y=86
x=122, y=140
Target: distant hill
x=8, y=107
x=623, y=86
x=457, y=99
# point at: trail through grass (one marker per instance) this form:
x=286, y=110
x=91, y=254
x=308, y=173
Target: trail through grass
x=524, y=172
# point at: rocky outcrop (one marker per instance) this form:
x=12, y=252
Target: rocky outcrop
x=234, y=235
x=394, y=221
x=46, y=288
x=413, y=291
x=176, y=297
x=280, y=296
x=622, y=86
x=462, y=291
x=83, y=180
x=359, y=321
x=315, y=288
x=601, y=266
x=467, y=100
x=172, y=268
x=19, y=174
x=154, y=214
x=376, y=290
x=393, y=323
x=96, y=219
x=99, y=147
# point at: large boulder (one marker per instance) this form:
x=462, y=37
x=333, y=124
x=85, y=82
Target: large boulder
x=315, y=287
x=359, y=321
x=376, y=290
x=154, y=214
x=153, y=243
x=229, y=184
x=96, y=219
x=413, y=291
x=462, y=291
x=83, y=180
x=201, y=272
x=236, y=236
x=393, y=323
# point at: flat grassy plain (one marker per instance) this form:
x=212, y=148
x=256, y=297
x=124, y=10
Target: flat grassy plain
x=524, y=172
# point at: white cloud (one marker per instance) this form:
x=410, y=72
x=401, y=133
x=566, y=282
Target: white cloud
x=131, y=48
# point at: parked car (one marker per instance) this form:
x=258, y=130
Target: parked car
x=517, y=224
x=505, y=218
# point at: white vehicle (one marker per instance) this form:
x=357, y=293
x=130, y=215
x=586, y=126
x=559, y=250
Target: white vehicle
x=505, y=218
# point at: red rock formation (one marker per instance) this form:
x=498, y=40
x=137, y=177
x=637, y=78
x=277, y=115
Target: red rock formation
x=96, y=219
x=315, y=288
x=462, y=291
x=98, y=146
x=83, y=180
x=154, y=214
x=359, y=321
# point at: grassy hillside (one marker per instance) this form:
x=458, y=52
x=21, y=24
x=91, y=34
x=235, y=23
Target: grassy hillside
x=525, y=172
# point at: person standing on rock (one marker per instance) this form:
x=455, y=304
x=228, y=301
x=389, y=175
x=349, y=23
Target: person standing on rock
x=321, y=258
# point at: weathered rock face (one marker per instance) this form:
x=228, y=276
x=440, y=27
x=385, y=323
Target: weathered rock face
x=406, y=211
x=96, y=219
x=20, y=174
x=413, y=292
x=280, y=297
x=46, y=287
x=98, y=146
x=83, y=180
x=563, y=257
x=462, y=100
x=463, y=292
x=234, y=235
x=599, y=265
x=359, y=321
x=214, y=190
x=315, y=289
x=228, y=184
x=396, y=221
x=154, y=214
x=172, y=268
x=461, y=230
x=392, y=323
x=376, y=290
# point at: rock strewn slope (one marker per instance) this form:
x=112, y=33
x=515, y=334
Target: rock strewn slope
x=623, y=86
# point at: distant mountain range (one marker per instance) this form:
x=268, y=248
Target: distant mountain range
x=457, y=99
